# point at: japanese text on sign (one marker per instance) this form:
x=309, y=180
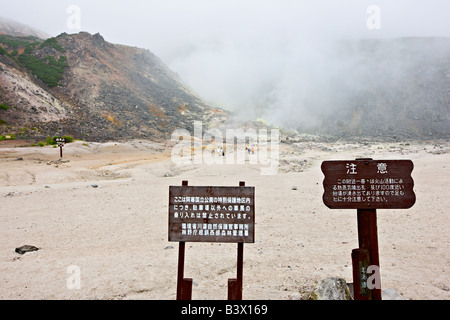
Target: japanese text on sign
x=211, y=214
x=368, y=183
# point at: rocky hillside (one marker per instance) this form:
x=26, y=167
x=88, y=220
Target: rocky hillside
x=397, y=88
x=84, y=86
x=18, y=29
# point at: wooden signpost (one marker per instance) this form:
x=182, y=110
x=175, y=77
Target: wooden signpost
x=60, y=142
x=367, y=185
x=211, y=214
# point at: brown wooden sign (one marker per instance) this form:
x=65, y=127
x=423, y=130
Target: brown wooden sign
x=211, y=214
x=367, y=183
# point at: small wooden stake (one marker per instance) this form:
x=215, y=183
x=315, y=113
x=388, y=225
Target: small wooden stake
x=184, y=286
x=360, y=261
x=368, y=239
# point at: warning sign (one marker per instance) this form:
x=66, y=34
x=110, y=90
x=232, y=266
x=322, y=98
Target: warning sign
x=374, y=184
x=211, y=214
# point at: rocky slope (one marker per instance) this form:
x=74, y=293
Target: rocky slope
x=397, y=88
x=14, y=28
x=84, y=86
x=95, y=90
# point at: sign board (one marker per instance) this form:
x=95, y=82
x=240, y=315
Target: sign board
x=212, y=214
x=59, y=140
x=367, y=183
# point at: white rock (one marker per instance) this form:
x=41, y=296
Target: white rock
x=391, y=294
x=331, y=289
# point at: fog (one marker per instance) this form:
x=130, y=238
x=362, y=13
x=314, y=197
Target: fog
x=281, y=61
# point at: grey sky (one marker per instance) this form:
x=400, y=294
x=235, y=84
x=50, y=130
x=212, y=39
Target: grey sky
x=164, y=25
x=229, y=50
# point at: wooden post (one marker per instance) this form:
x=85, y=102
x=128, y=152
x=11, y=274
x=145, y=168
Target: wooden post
x=240, y=269
x=182, y=231
x=184, y=285
x=181, y=248
x=360, y=262
x=240, y=261
x=235, y=284
x=368, y=239
x=366, y=175
x=232, y=289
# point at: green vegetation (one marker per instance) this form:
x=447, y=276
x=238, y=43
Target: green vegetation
x=18, y=42
x=51, y=42
x=69, y=139
x=8, y=137
x=262, y=120
x=51, y=141
x=14, y=54
x=48, y=69
x=3, y=107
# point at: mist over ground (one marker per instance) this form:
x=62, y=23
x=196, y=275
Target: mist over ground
x=331, y=83
x=322, y=66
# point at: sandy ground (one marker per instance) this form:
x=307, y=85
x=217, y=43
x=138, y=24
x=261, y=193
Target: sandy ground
x=115, y=235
